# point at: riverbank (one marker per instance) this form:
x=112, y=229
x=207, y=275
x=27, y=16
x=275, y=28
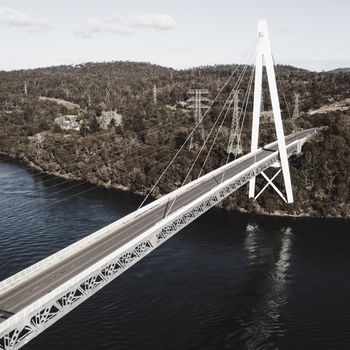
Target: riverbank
x=227, y=205
x=227, y=280
x=71, y=139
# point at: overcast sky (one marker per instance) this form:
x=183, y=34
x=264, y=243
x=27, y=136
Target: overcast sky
x=313, y=34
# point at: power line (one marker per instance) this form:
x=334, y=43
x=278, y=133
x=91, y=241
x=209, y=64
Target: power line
x=241, y=117
x=228, y=101
x=248, y=53
x=280, y=82
x=244, y=111
x=131, y=161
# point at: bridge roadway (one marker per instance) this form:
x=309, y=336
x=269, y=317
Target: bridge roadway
x=21, y=295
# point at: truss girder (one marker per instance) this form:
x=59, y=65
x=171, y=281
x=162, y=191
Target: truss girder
x=20, y=328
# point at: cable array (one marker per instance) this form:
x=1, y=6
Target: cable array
x=139, y=134
x=249, y=52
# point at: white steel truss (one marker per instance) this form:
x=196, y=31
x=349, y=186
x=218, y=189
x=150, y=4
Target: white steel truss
x=270, y=183
x=264, y=57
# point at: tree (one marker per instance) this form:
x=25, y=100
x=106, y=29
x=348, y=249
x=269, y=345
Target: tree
x=94, y=125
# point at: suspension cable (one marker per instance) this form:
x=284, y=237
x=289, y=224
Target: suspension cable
x=54, y=176
x=279, y=81
x=229, y=99
x=237, y=84
x=217, y=134
x=131, y=161
x=243, y=119
x=193, y=130
x=54, y=202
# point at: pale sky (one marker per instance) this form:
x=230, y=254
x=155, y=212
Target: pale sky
x=313, y=34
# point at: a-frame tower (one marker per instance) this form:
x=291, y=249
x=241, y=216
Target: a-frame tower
x=264, y=58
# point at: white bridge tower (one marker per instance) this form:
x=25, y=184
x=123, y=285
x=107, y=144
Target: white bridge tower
x=264, y=57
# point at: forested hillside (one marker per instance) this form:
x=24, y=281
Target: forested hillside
x=133, y=154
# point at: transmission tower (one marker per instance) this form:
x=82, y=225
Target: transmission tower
x=154, y=94
x=234, y=143
x=296, y=106
x=196, y=103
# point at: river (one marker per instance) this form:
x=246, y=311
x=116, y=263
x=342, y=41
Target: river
x=227, y=281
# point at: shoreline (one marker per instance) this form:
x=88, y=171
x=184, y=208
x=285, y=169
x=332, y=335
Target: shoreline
x=67, y=176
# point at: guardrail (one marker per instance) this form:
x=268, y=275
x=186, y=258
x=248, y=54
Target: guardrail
x=49, y=308
x=105, y=231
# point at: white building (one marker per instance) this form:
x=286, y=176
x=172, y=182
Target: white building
x=68, y=122
x=106, y=118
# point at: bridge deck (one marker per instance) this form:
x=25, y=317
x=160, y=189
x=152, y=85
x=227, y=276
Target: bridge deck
x=23, y=294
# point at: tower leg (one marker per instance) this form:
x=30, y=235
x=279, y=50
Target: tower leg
x=264, y=55
x=256, y=112
x=279, y=127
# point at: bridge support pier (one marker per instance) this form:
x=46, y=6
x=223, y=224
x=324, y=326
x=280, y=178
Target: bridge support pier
x=264, y=56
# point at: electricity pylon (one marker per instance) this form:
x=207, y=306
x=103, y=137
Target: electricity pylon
x=154, y=94
x=197, y=102
x=296, y=106
x=234, y=142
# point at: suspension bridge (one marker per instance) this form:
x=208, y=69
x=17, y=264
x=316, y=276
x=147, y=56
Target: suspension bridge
x=37, y=297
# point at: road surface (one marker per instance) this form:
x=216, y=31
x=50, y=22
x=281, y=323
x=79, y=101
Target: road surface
x=21, y=295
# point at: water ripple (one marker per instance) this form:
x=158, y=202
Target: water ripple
x=227, y=281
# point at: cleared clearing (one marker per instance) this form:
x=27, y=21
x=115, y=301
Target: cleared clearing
x=67, y=104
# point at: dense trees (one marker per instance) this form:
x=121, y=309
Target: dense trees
x=132, y=155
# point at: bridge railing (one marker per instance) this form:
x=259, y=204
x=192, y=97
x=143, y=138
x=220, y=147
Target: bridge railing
x=24, y=316
x=92, y=238
x=36, y=268
x=36, y=317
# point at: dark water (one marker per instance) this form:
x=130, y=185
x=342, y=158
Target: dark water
x=227, y=281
